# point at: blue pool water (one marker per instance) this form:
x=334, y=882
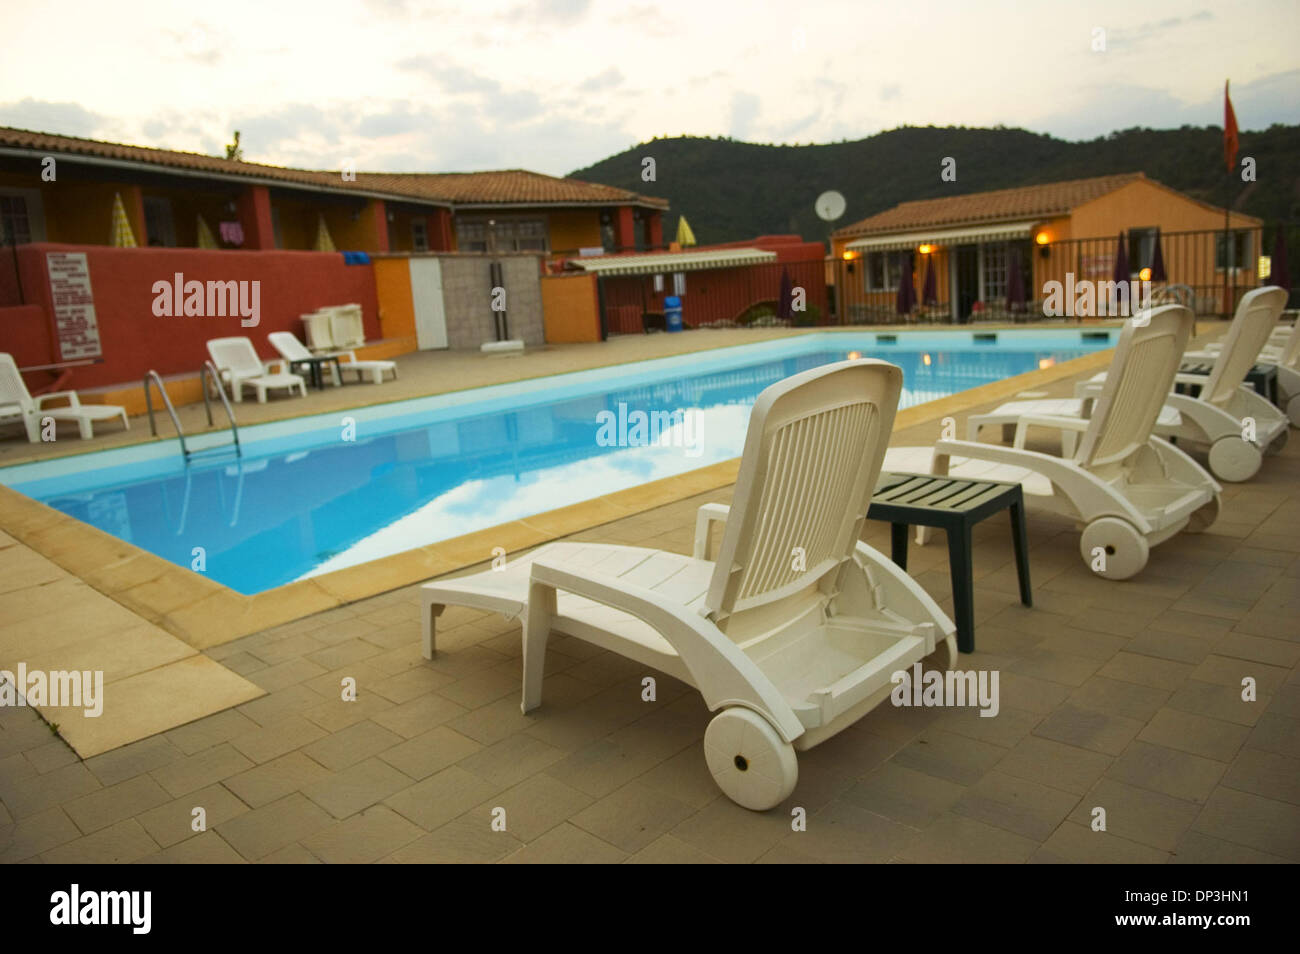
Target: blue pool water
x=321, y=493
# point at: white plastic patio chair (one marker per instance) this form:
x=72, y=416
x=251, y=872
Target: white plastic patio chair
x=1127, y=488
x=346, y=328
x=1281, y=351
x=240, y=367
x=797, y=629
x=317, y=326
x=1227, y=410
x=17, y=404
x=291, y=349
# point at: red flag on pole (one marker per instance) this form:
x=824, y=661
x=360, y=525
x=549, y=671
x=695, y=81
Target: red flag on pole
x=1229, y=130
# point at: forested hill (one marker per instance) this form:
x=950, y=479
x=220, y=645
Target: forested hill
x=730, y=190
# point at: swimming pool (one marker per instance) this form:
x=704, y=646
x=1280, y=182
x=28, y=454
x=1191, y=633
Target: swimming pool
x=316, y=494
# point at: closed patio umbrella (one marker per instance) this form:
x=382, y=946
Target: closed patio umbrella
x=1278, y=273
x=929, y=291
x=1158, y=262
x=205, y=238
x=685, y=236
x=122, y=236
x=1015, y=281
x=323, y=241
x=906, y=300
x=784, y=304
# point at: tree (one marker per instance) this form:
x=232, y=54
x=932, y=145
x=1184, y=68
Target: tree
x=233, y=151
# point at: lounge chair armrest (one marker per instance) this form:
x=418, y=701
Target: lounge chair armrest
x=270, y=366
x=724, y=673
x=73, y=400
x=705, y=517
x=1027, y=421
x=1091, y=497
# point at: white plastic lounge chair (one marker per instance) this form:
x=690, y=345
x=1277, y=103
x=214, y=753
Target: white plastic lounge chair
x=1282, y=351
x=291, y=349
x=317, y=326
x=346, y=328
x=1223, y=416
x=793, y=633
x=17, y=404
x=1128, y=489
x=240, y=367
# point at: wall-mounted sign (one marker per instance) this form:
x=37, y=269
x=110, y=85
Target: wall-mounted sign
x=232, y=233
x=74, y=305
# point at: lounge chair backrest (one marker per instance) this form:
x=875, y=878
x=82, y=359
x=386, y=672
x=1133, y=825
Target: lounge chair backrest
x=235, y=354
x=1255, y=320
x=287, y=343
x=345, y=326
x=1140, y=377
x=812, y=457
x=1290, y=354
x=13, y=389
x=317, y=324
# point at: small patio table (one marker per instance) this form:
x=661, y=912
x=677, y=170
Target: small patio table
x=314, y=365
x=954, y=506
x=1262, y=376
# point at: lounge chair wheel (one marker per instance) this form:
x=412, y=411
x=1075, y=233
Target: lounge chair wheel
x=1124, y=551
x=1203, y=518
x=1293, y=410
x=1278, y=443
x=753, y=766
x=1234, y=460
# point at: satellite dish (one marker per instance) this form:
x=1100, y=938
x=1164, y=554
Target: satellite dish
x=830, y=205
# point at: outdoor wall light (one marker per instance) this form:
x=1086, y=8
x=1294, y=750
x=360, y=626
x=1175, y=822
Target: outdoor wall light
x=1041, y=238
x=1145, y=275
x=849, y=256
x=926, y=249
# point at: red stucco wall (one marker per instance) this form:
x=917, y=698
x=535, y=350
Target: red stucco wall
x=134, y=340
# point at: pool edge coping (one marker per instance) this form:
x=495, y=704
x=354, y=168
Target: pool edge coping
x=204, y=613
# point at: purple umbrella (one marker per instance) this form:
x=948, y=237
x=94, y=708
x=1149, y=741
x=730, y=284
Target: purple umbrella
x=1158, y=262
x=1278, y=274
x=1015, y=281
x=784, y=303
x=1122, y=273
x=929, y=291
x=906, y=300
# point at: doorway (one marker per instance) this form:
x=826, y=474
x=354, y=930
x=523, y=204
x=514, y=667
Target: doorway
x=427, y=303
x=966, y=282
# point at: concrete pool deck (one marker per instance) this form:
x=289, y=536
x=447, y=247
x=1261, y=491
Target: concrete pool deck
x=1120, y=695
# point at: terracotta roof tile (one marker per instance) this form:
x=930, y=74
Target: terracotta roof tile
x=1025, y=202
x=509, y=186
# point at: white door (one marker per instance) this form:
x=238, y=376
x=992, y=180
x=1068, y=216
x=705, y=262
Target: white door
x=426, y=298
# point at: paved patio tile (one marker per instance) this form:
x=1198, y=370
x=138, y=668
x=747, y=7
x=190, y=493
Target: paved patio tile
x=1193, y=733
x=174, y=822
x=957, y=839
x=356, y=787
x=905, y=795
x=440, y=798
x=208, y=848
x=431, y=752
x=275, y=779
x=1076, y=844
x=107, y=806
x=1137, y=814
x=466, y=840
x=1017, y=805
x=1261, y=823
x=633, y=817
x=257, y=833
x=199, y=771
x=119, y=844
x=28, y=837
x=363, y=838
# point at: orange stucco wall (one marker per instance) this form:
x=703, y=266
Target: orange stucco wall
x=569, y=309
x=579, y=228
x=393, y=288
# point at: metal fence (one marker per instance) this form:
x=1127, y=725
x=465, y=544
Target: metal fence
x=1201, y=269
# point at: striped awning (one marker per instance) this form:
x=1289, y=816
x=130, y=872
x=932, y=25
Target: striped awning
x=661, y=263
x=1000, y=232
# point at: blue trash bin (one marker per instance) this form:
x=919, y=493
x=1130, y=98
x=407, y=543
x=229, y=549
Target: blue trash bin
x=672, y=313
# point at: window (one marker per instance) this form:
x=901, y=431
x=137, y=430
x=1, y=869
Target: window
x=1241, y=246
x=884, y=270
x=993, y=271
x=471, y=236
x=419, y=235
x=158, y=222
x=501, y=235
x=15, y=224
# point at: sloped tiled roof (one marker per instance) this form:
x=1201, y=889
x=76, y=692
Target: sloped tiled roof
x=1025, y=202
x=467, y=188
x=504, y=186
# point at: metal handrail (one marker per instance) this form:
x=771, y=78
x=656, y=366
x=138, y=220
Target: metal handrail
x=152, y=375
x=209, y=370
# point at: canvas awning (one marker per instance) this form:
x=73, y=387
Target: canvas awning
x=672, y=261
x=1000, y=232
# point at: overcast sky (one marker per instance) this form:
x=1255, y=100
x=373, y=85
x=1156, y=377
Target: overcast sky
x=407, y=85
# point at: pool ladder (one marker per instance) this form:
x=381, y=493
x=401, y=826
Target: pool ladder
x=206, y=373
